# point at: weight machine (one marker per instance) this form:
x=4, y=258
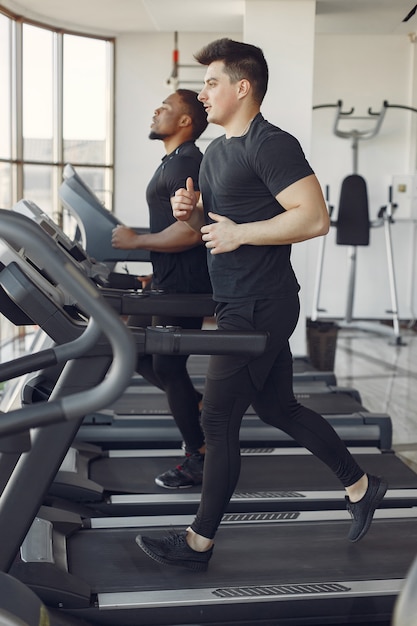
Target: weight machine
x=353, y=224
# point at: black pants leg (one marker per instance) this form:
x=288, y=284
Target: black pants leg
x=170, y=373
x=233, y=383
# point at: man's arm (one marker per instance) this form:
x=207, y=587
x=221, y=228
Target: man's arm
x=305, y=217
x=177, y=237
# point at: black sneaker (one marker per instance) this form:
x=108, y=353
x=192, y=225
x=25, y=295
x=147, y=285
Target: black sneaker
x=363, y=511
x=174, y=550
x=188, y=474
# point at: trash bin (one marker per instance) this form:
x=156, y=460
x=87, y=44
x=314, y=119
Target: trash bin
x=321, y=344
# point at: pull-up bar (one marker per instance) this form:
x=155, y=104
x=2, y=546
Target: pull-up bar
x=173, y=79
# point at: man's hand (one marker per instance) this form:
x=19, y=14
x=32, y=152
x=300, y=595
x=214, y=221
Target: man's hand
x=222, y=236
x=184, y=201
x=124, y=238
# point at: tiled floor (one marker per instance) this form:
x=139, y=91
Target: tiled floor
x=386, y=377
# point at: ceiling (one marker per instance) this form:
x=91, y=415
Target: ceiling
x=113, y=17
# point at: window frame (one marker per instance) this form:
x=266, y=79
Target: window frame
x=17, y=161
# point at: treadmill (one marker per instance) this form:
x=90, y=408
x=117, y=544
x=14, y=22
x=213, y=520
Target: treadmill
x=284, y=567
x=95, y=224
x=121, y=482
x=116, y=482
x=154, y=426
x=130, y=300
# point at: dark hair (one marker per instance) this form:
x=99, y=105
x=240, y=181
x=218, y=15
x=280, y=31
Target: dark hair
x=195, y=109
x=241, y=60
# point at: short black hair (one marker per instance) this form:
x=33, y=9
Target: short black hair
x=241, y=60
x=195, y=109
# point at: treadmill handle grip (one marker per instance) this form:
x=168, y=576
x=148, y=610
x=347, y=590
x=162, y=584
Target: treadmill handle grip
x=176, y=340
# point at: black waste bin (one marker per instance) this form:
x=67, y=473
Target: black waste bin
x=321, y=344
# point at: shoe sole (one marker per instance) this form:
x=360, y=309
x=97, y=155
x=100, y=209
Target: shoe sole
x=381, y=491
x=195, y=566
x=161, y=484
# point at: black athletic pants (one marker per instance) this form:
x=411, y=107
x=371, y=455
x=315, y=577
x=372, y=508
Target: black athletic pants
x=169, y=373
x=235, y=382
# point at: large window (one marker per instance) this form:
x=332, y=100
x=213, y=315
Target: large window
x=57, y=108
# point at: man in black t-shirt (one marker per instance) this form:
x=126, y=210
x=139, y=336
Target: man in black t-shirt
x=258, y=197
x=179, y=265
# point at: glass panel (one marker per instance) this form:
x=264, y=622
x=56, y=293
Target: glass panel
x=37, y=93
x=5, y=186
x=5, y=67
x=85, y=100
x=37, y=186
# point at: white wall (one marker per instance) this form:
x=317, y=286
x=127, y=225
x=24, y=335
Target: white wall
x=362, y=71
x=143, y=65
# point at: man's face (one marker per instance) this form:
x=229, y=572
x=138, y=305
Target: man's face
x=166, y=118
x=219, y=95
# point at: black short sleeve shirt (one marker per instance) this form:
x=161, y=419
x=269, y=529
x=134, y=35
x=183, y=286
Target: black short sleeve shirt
x=239, y=178
x=180, y=272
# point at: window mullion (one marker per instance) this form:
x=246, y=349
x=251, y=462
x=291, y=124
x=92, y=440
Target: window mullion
x=17, y=111
x=58, y=132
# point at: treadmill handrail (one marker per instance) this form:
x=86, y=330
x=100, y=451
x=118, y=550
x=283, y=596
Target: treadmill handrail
x=20, y=231
x=50, y=356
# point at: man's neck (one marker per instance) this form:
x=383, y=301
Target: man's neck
x=172, y=143
x=240, y=124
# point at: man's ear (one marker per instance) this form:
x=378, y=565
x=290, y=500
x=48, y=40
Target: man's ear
x=185, y=120
x=244, y=87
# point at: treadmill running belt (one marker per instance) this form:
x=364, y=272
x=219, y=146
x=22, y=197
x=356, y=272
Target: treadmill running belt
x=155, y=403
x=288, y=571
x=258, y=473
x=257, y=554
x=197, y=365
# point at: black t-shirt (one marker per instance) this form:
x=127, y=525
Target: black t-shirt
x=180, y=272
x=239, y=178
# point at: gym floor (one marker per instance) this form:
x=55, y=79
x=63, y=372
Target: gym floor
x=386, y=377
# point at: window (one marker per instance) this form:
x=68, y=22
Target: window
x=56, y=107
x=57, y=93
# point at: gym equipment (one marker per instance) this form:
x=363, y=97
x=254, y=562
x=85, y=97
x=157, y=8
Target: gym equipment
x=92, y=476
x=354, y=422
x=134, y=301
x=173, y=80
x=121, y=482
x=146, y=418
x=95, y=223
x=405, y=610
x=95, y=227
x=142, y=418
x=32, y=294
x=353, y=224
x=154, y=425
x=19, y=606
x=92, y=569
x=107, y=579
